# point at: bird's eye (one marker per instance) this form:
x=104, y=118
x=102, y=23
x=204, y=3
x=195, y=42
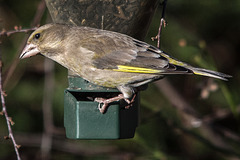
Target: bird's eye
x=37, y=36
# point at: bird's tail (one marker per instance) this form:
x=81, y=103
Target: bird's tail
x=209, y=73
x=198, y=71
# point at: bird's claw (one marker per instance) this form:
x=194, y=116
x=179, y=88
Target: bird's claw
x=106, y=102
x=101, y=101
x=102, y=108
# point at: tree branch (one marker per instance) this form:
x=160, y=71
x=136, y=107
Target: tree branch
x=162, y=24
x=4, y=112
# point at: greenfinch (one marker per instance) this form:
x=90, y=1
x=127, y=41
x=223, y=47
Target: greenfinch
x=107, y=58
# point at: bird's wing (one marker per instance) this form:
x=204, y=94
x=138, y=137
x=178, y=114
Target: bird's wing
x=117, y=52
x=138, y=57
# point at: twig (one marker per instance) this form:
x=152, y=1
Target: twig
x=162, y=23
x=17, y=29
x=8, y=119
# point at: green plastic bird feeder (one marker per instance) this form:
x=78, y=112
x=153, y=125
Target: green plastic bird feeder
x=82, y=119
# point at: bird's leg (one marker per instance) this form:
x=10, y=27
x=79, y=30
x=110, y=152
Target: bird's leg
x=106, y=102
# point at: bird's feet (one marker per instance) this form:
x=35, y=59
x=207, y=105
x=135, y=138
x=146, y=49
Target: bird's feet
x=106, y=102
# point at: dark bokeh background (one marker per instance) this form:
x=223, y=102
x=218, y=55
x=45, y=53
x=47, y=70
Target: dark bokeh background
x=182, y=117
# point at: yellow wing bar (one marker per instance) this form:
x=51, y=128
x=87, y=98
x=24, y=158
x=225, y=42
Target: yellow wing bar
x=173, y=61
x=122, y=68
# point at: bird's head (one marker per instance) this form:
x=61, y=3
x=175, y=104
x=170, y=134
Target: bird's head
x=45, y=40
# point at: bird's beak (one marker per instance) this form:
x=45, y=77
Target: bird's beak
x=29, y=50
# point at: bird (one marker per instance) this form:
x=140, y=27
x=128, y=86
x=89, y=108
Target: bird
x=107, y=58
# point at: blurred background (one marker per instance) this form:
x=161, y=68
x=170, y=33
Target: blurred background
x=181, y=117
